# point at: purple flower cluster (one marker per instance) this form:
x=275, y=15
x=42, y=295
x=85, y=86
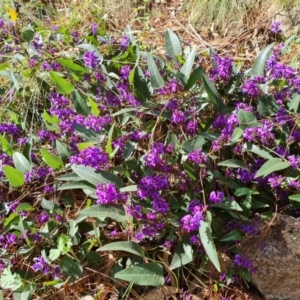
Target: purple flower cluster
x=275, y=28
x=108, y=194
x=191, y=221
x=91, y=156
x=222, y=69
x=216, y=197
x=178, y=117
x=197, y=157
x=38, y=173
x=9, y=129
x=40, y=264
x=124, y=42
x=243, y=262
x=8, y=239
x=91, y=60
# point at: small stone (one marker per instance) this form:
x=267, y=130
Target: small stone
x=275, y=253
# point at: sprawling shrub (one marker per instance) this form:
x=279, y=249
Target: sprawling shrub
x=107, y=148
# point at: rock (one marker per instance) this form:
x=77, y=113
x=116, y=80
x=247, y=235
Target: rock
x=275, y=253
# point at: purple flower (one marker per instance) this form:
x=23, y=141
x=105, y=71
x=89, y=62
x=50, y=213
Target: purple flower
x=44, y=217
x=251, y=88
x=243, y=262
x=197, y=157
x=108, y=194
x=124, y=43
x=91, y=60
x=40, y=265
x=94, y=28
x=178, y=116
x=275, y=28
x=91, y=156
x=222, y=69
x=191, y=222
x=9, y=128
x=216, y=197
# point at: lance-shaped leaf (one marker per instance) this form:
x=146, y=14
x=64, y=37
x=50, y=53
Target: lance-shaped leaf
x=156, y=79
x=62, y=86
x=259, y=65
x=172, y=44
x=151, y=274
x=102, y=212
x=126, y=246
x=54, y=162
x=95, y=177
x=14, y=176
x=208, y=242
x=21, y=162
x=272, y=165
x=213, y=94
x=188, y=65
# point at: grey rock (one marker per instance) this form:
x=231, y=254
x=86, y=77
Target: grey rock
x=275, y=253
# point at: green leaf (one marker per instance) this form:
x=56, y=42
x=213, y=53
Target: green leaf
x=195, y=76
x=10, y=280
x=47, y=204
x=78, y=70
x=151, y=274
x=180, y=259
x=71, y=267
x=6, y=146
x=287, y=43
x=228, y=204
x=22, y=295
x=272, y=165
x=295, y=197
x=172, y=44
x=102, y=212
x=95, y=177
x=193, y=144
x=213, y=94
x=94, y=107
x=188, y=65
x=27, y=148
x=234, y=235
x=62, y=149
x=156, y=79
x=245, y=191
x=54, y=162
x=87, y=133
x=237, y=134
x=108, y=147
x=259, y=64
x=293, y=104
x=257, y=150
x=80, y=104
x=208, y=243
x=267, y=106
x=129, y=188
x=62, y=86
x=24, y=206
x=76, y=185
x=141, y=90
x=64, y=243
x=27, y=35
x=129, y=149
x=232, y=163
x=69, y=177
x=247, y=119
x=54, y=254
x=21, y=162
x=14, y=176
x=130, y=247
